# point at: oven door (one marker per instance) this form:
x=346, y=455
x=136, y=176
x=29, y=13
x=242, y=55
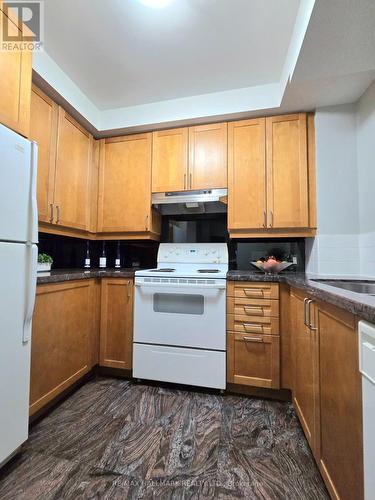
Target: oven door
x=189, y=314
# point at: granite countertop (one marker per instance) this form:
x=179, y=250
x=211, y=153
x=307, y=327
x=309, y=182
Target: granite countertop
x=361, y=305
x=357, y=303
x=59, y=275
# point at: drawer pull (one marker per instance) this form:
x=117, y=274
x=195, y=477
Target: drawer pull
x=255, y=311
x=253, y=326
x=253, y=291
x=252, y=339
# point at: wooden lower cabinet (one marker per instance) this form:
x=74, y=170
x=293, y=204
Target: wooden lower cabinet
x=306, y=375
x=253, y=360
x=340, y=449
x=327, y=391
x=253, y=340
x=63, y=338
x=116, y=326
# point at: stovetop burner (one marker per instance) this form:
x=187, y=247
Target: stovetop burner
x=163, y=270
x=208, y=270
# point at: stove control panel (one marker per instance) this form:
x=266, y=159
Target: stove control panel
x=193, y=253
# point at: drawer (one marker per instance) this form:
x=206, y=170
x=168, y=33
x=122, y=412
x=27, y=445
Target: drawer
x=252, y=324
x=256, y=290
x=253, y=307
x=253, y=360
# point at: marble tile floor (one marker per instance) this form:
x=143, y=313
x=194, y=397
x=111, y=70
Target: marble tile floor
x=116, y=439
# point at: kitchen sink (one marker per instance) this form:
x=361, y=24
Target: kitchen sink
x=358, y=286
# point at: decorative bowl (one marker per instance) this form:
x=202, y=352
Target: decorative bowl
x=278, y=267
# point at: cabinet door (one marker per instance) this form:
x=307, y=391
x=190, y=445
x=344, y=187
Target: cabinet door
x=116, y=328
x=246, y=174
x=341, y=449
x=43, y=130
x=72, y=178
x=169, y=160
x=305, y=383
x=287, y=172
x=60, y=349
x=208, y=156
x=125, y=184
x=15, y=84
x=253, y=360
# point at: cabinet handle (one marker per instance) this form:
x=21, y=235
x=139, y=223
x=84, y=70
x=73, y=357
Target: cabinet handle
x=58, y=214
x=253, y=326
x=271, y=219
x=256, y=311
x=264, y=218
x=128, y=287
x=191, y=180
x=252, y=339
x=253, y=291
x=185, y=182
x=305, y=311
x=310, y=325
x=52, y=212
x=146, y=222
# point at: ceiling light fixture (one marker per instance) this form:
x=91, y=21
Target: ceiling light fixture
x=156, y=4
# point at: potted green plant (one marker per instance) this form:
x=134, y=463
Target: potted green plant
x=44, y=262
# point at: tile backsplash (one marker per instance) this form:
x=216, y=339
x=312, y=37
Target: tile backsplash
x=70, y=252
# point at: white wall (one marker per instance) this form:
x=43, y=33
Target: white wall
x=345, y=160
x=366, y=180
x=335, y=249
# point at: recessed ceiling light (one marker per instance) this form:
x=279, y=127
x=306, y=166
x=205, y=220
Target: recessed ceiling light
x=156, y=4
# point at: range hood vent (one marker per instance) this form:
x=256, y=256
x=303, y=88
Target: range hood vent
x=191, y=202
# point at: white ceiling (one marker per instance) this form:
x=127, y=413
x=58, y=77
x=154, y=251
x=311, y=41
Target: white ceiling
x=121, y=53
x=122, y=68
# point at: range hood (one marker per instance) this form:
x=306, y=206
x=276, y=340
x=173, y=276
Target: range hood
x=198, y=201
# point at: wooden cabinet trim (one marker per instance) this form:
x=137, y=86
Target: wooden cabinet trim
x=311, y=169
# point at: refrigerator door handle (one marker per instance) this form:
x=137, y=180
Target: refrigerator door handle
x=30, y=293
x=33, y=236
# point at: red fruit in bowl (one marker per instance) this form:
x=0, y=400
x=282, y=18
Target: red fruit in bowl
x=270, y=265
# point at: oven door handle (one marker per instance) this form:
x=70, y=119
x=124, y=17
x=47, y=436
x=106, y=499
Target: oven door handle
x=191, y=286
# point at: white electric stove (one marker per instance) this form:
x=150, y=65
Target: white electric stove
x=180, y=315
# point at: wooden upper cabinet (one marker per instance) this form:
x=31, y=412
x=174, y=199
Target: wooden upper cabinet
x=72, y=177
x=287, y=172
x=125, y=184
x=43, y=130
x=15, y=84
x=246, y=174
x=208, y=156
x=169, y=160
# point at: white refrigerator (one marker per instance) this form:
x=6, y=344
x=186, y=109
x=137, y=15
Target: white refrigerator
x=18, y=268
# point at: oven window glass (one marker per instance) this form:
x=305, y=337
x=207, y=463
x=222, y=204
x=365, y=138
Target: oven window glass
x=178, y=303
